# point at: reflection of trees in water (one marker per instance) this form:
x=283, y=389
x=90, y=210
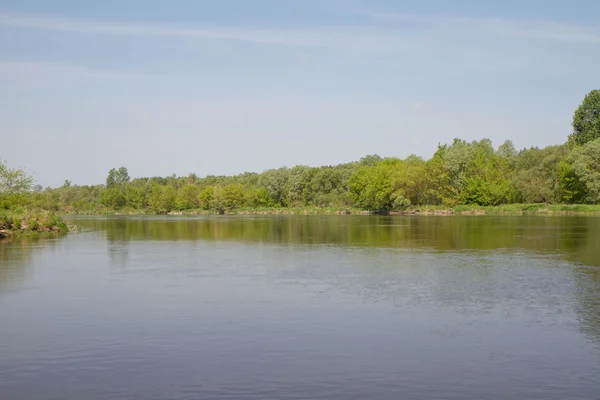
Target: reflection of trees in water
x=587, y=300
x=576, y=238
x=15, y=257
x=118, y=242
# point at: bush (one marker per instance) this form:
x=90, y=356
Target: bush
x=5, y=221
x=33, y=224
x=51, y=222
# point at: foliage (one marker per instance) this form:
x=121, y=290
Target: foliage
x=537, y=174
x=487, y=176
x=162, y=198
x=13, y=181
x=440, y=188
x=373, y=186
x=205, y=197
x=135, y=197
x=30, y=221
x=586, y=120
x=187, y=197
x=459, y=175
x=227, y=197
x=117, y=177
x=584, y=169
x=113, y=198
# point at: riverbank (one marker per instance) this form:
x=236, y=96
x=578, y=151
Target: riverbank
x=529, y=209
x=506, y=209
x=13, y=223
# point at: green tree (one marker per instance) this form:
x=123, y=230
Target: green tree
x=229, y=197
x=586, y=120
x=259, y=197
x=537, y=174
x=457, y=159
x=162, y=198
x=275, y=181
x=205, y=197
x=572, y=190
x=187, y=197
x=117, y=177
x=410, y=181
x=298, y=180
x=585, y=167
x=439, y=187
x=14, y=181
x=112, y=198
x=372, y=186
x=135, y=197
x=370, y=159
x=488, y=177
x=68, y=195
x=508, y=152
x=478, y=174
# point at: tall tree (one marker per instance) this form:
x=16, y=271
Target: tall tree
x=537, y=173
x=585, y=165
x=14, y=181
x=117, y=177
x=586, y=120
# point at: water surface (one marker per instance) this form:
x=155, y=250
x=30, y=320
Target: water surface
x=341, y=307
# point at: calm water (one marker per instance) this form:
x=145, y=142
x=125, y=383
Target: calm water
x=345, y=307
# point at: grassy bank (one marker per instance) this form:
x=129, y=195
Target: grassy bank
x=507, y=209
x=530, y=209
x=30, y=222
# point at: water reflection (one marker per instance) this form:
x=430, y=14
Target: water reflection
x=573, y=239
x=16, y=256
x=118, y=236
x=576, y=238
x=304, y=307
x=587, y=300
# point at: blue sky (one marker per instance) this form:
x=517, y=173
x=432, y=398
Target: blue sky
x=223, y=87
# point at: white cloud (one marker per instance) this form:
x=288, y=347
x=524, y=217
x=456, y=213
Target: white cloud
x=39, y=74
x=343, y=37
x=47, y=70
x=532, y=29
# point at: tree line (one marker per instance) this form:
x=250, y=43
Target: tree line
x=461, y=172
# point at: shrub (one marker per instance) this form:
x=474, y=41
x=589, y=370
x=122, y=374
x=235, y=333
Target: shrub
x=51, y=222
x=33, y=224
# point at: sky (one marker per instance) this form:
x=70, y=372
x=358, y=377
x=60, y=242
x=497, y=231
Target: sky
x=225, y=86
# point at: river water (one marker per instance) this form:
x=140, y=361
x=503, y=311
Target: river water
x=340, y=307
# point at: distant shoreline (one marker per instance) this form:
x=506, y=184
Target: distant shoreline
x=509, y=209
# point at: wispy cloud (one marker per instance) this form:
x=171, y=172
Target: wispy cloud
x=39, y=74
x=376, y=36
x=532, y=29
x=27, y=70
x=344, y=37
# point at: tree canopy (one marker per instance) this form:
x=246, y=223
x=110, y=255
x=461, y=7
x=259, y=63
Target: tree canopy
x=14, y=181
x=117, y=177
x=459, y=173
x=586, y=120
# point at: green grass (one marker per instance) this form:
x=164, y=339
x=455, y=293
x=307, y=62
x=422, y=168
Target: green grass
x=526, y=209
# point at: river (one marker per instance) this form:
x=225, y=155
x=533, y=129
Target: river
x=304, y=307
